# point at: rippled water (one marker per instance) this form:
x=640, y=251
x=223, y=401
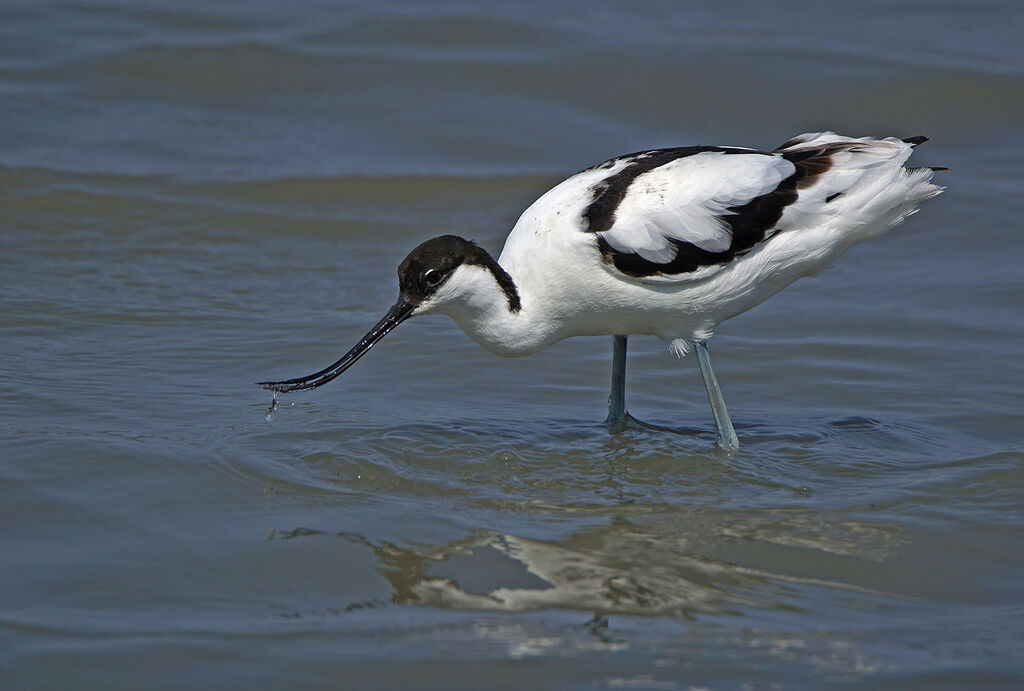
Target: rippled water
x=196, y=196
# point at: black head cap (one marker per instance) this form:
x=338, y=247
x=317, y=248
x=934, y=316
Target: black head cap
x=432, y=263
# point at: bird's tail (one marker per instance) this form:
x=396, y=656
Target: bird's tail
x=863, y=187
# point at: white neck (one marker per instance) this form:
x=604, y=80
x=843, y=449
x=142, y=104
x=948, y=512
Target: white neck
x=473, y=299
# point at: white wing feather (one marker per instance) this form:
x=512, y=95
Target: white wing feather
x=687, y=199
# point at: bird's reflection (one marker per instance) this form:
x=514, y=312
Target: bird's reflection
x=620, y=567
x=603, y=571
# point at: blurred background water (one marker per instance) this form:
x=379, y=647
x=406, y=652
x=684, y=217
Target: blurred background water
x=195, y=196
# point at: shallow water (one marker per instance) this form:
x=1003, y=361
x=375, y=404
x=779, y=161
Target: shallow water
x=195, y=198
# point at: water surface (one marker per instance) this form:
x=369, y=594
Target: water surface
x=196, y=197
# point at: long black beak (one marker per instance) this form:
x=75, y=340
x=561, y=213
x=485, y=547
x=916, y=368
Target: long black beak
x=395, y=316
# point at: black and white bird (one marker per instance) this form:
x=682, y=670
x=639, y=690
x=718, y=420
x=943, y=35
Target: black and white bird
x=668, y=242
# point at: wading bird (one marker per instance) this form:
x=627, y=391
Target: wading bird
x=668, y=242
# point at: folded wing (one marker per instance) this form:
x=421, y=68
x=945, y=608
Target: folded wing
x=674, y=215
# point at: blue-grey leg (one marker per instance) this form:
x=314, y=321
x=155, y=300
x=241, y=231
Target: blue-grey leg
x=617, y=400
x=726, y=434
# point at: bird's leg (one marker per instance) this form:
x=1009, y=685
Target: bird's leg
x=617, y=400
x=726, y=434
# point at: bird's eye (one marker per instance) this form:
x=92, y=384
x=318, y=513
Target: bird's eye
x=432, y=276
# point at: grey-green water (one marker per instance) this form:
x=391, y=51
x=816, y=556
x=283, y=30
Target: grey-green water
x=196, y=196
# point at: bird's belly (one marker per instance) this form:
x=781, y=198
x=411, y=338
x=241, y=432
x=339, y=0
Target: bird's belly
x=687, y=310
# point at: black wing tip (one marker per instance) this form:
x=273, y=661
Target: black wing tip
x=921, y=139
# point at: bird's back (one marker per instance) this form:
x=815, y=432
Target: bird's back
x=712, y=230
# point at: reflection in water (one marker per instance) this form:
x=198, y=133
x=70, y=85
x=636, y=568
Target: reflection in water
x=620, y=568
x=603, y=572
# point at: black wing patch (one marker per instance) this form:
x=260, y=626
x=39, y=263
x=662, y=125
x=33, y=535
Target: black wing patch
x=749, y=224
x=612, y=190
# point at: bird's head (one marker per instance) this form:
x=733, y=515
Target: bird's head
x=439, y=272
x=441, y=275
